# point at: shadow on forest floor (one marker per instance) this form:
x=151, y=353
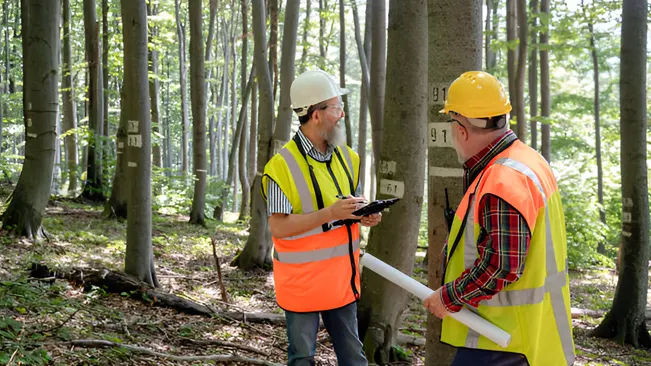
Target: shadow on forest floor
x=37, y=318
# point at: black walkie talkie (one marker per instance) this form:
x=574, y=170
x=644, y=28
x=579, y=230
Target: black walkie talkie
x=448, y=212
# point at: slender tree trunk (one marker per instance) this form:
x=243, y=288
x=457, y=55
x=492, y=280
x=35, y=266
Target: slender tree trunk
x=168, y=137
x=323, y=5
x=253, y=135
x=363, y=100
x=116, y=206
x=211, y=120
x=180, y=31
x=223, y=95
x=511, y=55
x=284, y=122
x=107, y=152
x=488, y=35
x=378, y=73
x=273, y=44
x=533, y=75
x=545, y=98
x=455, y=34
x=396, y=238
x=139, y=258
x=522, y=65
x=342, y=71
x=234, y=123
x=69, y=105
x=41, y=43
x=94, y=188
x=242, y=166
x=625, y=322
x=306, y=31
x=154, y=87
x=257, y=250
x=198, y=95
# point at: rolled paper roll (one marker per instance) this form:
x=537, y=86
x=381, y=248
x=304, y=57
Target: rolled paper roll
x=465, y=316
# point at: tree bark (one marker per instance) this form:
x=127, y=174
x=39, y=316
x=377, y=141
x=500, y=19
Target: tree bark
x=40, y=39
x=168, y=138
x=154, y=88
x=378, y=73
x=362, y=50
x=105, y=86
x=395, y=239
x=257, y=251
x=94, y=188
x=545, y=98
x=284, y=122
x=511, y=55
x=625, y=321
x=273, y=44
x=323, y=5
x=522, y=65
x=342, y=72
x=253, y=135
x=180, y=32
x=533, y=75
x=456, y=33
x=306, y=32
x=69, y=106
x=212, y=164
x=198, y=95
x=489, y=54
x=139, y=258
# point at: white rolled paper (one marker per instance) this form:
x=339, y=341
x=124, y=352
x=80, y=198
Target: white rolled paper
x=465, y=316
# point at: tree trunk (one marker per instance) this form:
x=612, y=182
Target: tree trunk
x=378, y=72
x=395, y=239
x=168, y=138
x=154, y=87
x=253, y=135
x=180, y=31
x=242, y=166
x=533, y=75
x=601, y=248
x=94, y=188
x=257, y=251
x=40, y=40
x=363, y=100
x=273, y=44
x=456, y=34
x=488, y=35
x=306, y=32
x=626, y=320
x=107, y=152
x=284, y=121
x=116, y=206
x=212, y=164
x=69, y=105
x=511, y=55
x=545, y=98
x=223, y=95
x=233, y=121
x=323, y=5
x=198, y=95
x=522, y=65
x=342, y=72
x=139, y=258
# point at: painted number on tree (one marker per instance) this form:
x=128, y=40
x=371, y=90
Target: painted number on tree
x=438, y=94
x=392, y=188
x=387, y=167
x=440, y=134
x=133, y=127
x=135, y=140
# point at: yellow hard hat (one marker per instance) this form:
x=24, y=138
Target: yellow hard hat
x=477, y=94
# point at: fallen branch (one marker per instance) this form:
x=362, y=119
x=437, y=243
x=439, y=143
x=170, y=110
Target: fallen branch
x=99, y=343
x=217, y=342
x=410, y=340
x=219, y=271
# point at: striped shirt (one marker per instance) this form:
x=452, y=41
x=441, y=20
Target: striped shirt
x=277, y=201
x=503, y=242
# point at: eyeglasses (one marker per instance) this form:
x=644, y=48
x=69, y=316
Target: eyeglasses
x=339, y=106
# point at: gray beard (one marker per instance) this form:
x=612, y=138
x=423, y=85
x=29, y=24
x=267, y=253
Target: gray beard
x=336, y=136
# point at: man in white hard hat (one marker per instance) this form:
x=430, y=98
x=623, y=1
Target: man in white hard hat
x=309, y=185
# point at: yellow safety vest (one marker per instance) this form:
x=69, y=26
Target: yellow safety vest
x=317, y=270
x=535, y=309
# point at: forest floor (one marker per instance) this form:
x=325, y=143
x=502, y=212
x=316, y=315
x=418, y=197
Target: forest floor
x=39, y=320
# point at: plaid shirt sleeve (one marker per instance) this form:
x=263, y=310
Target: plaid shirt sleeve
x=502, y=246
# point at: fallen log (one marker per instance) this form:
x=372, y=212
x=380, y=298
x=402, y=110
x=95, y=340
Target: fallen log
x=118, y=282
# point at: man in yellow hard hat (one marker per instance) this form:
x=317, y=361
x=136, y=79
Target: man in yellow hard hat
x=506, y=254
x=310, y=185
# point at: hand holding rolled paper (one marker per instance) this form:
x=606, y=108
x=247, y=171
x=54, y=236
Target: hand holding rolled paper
x=465, y=316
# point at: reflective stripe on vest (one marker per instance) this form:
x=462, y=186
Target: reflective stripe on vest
x=315, y=255
x=554, y=282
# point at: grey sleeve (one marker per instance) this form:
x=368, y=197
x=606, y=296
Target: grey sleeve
x=277, y=201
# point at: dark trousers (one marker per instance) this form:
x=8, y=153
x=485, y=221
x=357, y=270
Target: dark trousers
x=480, y=357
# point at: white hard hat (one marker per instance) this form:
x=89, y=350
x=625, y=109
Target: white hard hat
x=312, y=87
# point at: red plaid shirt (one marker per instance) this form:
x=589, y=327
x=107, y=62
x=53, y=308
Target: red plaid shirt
x=502, y=245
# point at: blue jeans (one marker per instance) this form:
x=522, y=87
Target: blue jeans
x=341, y=325
x=480, y=357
